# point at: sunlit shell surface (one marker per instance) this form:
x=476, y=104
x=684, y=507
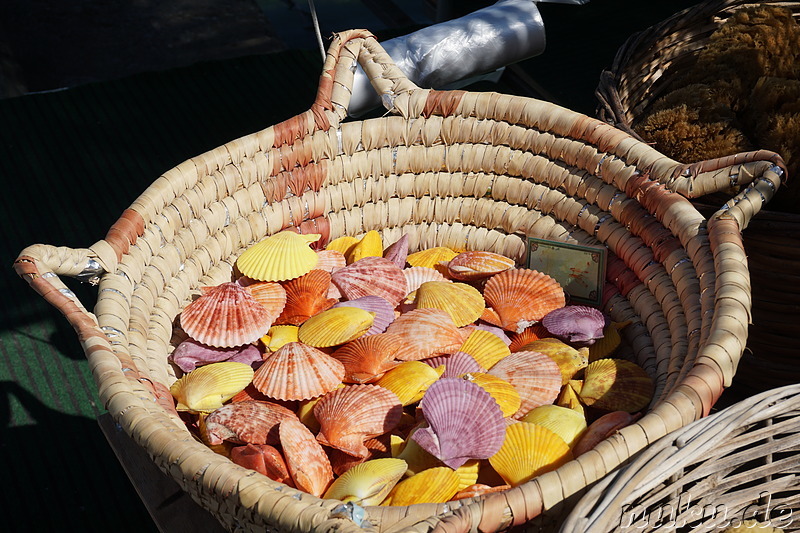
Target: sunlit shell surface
x=342, y=244
x=369, y=357
x=298, y=372
x=305, y=458
x=486, y=347
x=566, y=423
x=470, y=266
x=521, y=297
x=568, y=397
x=462, y=302
x=306, y=296
x=434, y=485
x=282, y=256
x=577, y=324
x=207, y=388
x=372, y=276
x=500, y=332
x=479, y=489
x=529, y=334
x=280, y=335
x=250, y=421
x=568, y=359
x=225, y=316
x=529, y=451
x=616, y=385
x=416, y=276
x=456, y=365
x=352, y=414
x=367, y=483
x=190, y=354
x=397, y=251
x=330, y=260
x=264, y=459
x=535, y=376
x=502, y=391
x=430, y=257
x=335, y=326
x=370, y=245
x=468, y=473
x=384, y=312
x=409, y=380
x=270, y=294
x=464, y=421
x=427, y=332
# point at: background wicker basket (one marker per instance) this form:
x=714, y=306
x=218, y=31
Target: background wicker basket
x=460, y=169
x=639, y=75
x=739, y=463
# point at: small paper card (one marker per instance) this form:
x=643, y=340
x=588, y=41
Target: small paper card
x=580, y=269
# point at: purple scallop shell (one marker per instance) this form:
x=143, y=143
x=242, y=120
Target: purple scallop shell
x=461, y=363
x=398, y=251
x=493, y=329
x=384, y=312
x=464, y=422
x=190, y=354
x=576, y=323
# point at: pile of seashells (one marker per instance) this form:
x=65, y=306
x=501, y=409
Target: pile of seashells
x=381, y=377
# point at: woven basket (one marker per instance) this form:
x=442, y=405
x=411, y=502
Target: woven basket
x=741, y=463
x=459, y=169
x=642, y=68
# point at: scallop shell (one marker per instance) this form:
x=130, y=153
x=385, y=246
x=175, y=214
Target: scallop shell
x=369, y=357
x=521, y=297
x=485, y=347
x=468, y=473
x=616, y=385
x=435, y=485
x=264, y=459
x=611, y=340
x=397, y=252
x=370, y=245
x=342, y=245
x=330, y=260
x=409, y=380
x=335, y=326
x=456, y=365
x=225, y=316
x=379, y=448
x=367, y=483
x=465, y=422
x=568, y=359
x=270, y=294
x=281, y=335
x=529, y=334
x=416, y=276
x=306, y=296
x=427, y=332
x=250, y=421
x=190, y=354
x=471, y=266
x=462, y=302
x=207, y=388
x=352, y=414
x=431, y=257
x=384, y=312
x=479, y=489
x=282, y=256
x=491, y=329
x=529, y=451
x=306, y=460
x=536, y=377
x=416, y=457
x=372, y=276
x=577, y=324
x=501, y=390
x=568, y=424
x=298, y=372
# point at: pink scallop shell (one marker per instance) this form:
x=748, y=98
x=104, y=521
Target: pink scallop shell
x=427, y=332
x=264, y=459
x=384, y=311
x=372, y=276
x=245, y=422
x=397, y=252
x=308, y=465
x=476, y=265
x=416, y=276
x=535, y=376
x=330, y=260
x=464, y=422
x=576, y=323
x=190, y=354
x=461, y=363
x=297, y=371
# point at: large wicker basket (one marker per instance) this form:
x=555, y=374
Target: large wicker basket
x=739, y=464
x=460, y=169
x=639, y=75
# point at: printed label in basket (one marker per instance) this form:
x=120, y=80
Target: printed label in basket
x=580, y=269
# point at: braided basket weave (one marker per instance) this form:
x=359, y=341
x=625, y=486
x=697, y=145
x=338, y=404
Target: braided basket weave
x=459, y=169
x=642, y=69
x=741, y=463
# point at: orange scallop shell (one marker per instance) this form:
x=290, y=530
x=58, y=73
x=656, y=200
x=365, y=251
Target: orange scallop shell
x=427, y=332
x=306, y=296
x=306, y=460
x=529, y=334
x=471, y=266
x=270, y=294
x=298, y=372
x=250, y=421
x=535, y=376
x=372, y=276
x=351, y=415
x=264, y=459
x=225, y=316
x=522, y=297
x=366, y=359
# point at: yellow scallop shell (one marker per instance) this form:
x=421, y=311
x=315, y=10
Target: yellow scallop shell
x=616, y=385
x=529, y=451
x=280, y=335
x=409, y=380
x=611, y=340
x=416, y=457
x=431, y=257
x=283, y=256
x=468, y=473
x=367, y=483
x=462, y=302
x=564, y=422
x=342, y=245
x=435, y=485
x=335, y=326
x=568, y=397
x=501, y=390
x=370, y=245
x=568, y=359
x=206, y=388
x=485, y=347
